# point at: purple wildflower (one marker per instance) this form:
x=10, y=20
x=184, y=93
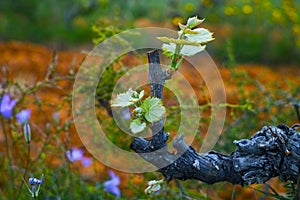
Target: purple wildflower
x=7, y=106
x=86, y=161
x=35, y=186
x=112, y=184
x=74, y=154
x=35, y=181
x=23, y=116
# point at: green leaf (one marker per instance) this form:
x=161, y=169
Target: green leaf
x=153, y=109
x=179, y=41
x=187, y=50
x=191, y=50
x=128, y=98
x=168, y=50
x=203, y=36
x=193, y=22
x=137, y=126
x=123, y=99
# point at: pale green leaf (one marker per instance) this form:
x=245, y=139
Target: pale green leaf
x=137, y=126
x=179, y=41
x=187, y=50
x=168, y=49
x=192, y=22
x=191, y=50
x=128, y=98
x=153, y=109
x=123, y=99
x=203, y=36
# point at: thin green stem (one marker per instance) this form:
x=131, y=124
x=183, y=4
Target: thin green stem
x=179, y=62
x=183, y=194
x=26, y=170
x=176, y=54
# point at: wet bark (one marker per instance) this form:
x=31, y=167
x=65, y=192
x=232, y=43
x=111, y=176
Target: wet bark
x=272, y=151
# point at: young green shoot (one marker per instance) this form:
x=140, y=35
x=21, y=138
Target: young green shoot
x=145, y=110
x=190, y=41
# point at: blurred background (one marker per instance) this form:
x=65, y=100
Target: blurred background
x=255, y=31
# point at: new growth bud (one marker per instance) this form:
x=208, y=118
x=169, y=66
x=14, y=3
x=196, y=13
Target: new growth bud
x=27, y=132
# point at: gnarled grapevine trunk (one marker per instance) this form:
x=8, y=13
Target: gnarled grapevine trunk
x=273, y=151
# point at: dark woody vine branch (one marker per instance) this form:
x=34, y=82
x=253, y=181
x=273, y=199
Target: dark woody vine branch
x=272, y=151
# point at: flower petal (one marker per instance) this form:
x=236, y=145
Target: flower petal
x=114, y=177
x=74, y=154
x=23, y=116
x=114, y=190
x=86, y=161
x=112, y=184
x=7, y=106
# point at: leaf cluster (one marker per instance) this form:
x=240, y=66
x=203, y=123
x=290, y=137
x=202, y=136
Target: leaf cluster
x=145, y=110
x=190, y=41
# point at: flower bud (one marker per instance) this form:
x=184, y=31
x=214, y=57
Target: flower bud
x=27, y=132
x=35, y=181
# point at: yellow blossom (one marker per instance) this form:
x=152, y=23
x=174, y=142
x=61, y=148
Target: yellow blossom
x=230, y=10
x=177, y=20
x=247, y=9
x=189, y=7
x=277, y=16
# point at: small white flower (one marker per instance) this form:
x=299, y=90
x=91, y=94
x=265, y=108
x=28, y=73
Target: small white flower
x=154, y=186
